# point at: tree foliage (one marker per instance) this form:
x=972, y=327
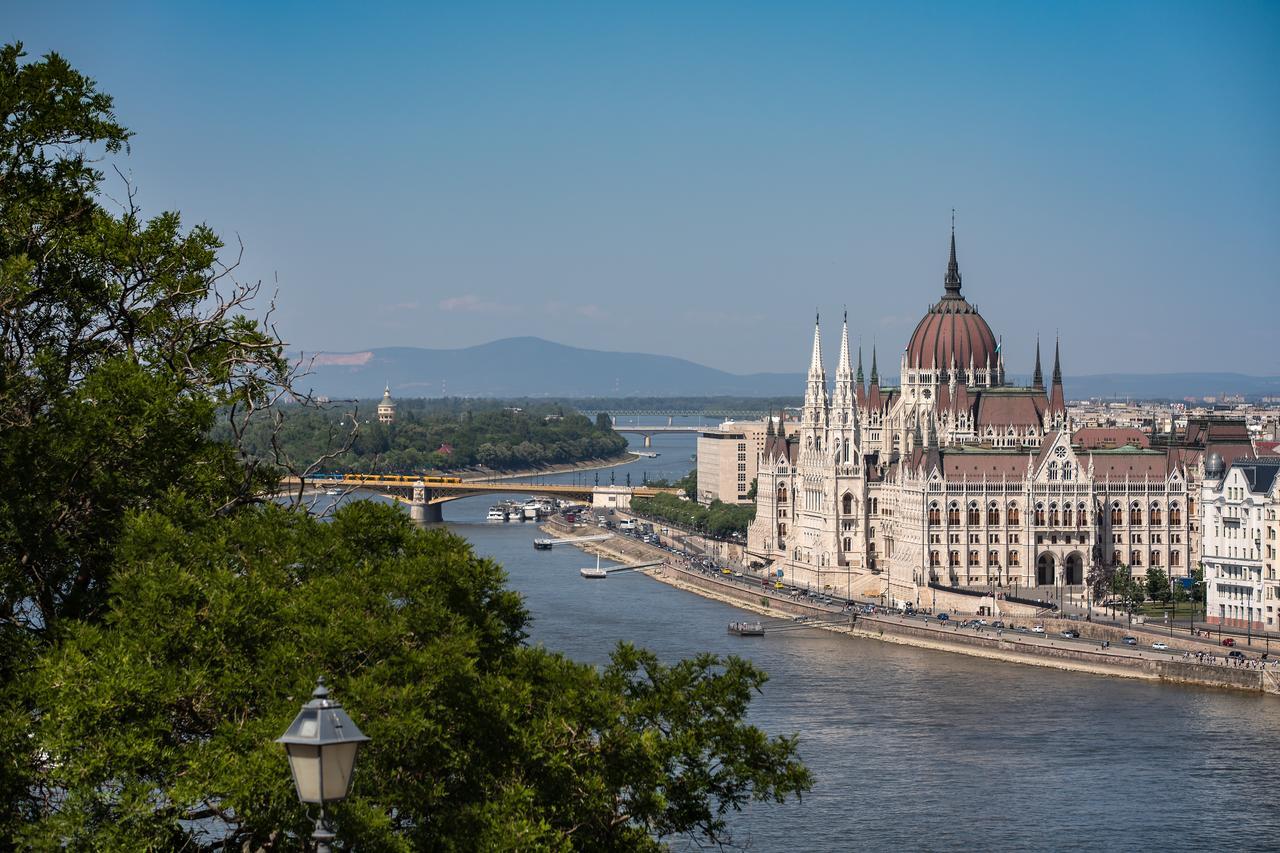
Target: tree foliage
x=434, y=435
x=718, y=519
x=161, y=619
x=216, y=629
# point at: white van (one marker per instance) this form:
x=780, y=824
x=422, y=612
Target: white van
x=628, y=525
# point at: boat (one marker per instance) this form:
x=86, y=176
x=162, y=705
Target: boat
x=514, y=514
x=647, y=454
x=496, y=513
x=594, y=574
x=531, y=511
x=746, y=629
x=543, y=544
x=333, y=491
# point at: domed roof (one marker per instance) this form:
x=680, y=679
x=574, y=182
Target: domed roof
x=952, y=330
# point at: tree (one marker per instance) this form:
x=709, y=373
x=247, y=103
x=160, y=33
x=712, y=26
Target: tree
x=161, y=617
x=604, y=423
x=1157, y=585
x=217, y=627
x=751, y=492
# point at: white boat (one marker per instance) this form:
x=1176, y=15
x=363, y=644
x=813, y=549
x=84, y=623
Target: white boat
x=531, y=511
x=333, y=491
x=594, y=574
x=514, y=514
x=496, y=513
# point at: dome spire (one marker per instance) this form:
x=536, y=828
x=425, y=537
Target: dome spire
x=952, y=281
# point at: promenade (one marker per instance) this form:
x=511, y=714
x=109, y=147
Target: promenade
x=1099, y=650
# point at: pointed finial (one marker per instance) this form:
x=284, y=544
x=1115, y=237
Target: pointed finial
x=1057, y=365
x=859, y=374
x=875, y=376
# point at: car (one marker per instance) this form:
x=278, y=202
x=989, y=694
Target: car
x=779, y=585
x=1071, y=634
x=1159, y=646
x=1229, y=641
x=997, y=624
x=1037, y=629
x=1130, y=641
x=1236, y=653
x=942, y=617
x=979, y=621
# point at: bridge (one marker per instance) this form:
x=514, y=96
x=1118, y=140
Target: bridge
x=650, y=431
x=425, y=500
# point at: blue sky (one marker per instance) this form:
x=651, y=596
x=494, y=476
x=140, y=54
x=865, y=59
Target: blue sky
x=696, y=178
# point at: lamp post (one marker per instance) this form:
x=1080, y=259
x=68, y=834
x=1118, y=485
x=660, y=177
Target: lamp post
x=322, y=743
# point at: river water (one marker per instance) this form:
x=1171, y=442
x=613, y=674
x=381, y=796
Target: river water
x=917, y=749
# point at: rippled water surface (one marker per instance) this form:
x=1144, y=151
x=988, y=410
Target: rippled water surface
x=916, y=749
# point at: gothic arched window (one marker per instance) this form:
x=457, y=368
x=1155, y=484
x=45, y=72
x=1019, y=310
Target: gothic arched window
x=1175, y=514
x=1156, y=517
x=993, y=514
x=935, y=517
x=953, y=513
x=1014, y=516
x=974, y=518
x=1053, y=470
x=846, y=504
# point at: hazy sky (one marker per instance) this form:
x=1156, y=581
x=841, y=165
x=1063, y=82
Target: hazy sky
x=696, y=178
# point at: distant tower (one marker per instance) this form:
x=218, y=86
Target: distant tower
x=387, y=408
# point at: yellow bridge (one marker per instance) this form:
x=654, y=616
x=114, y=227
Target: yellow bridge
x=435, y=491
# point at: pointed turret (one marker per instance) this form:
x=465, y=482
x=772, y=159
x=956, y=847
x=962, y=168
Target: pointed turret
x=1057, y=400
x=875, y=376
x=815, y=395
x=1037, y=378
x=873, y=390
x=952, y=282
x=861, y=388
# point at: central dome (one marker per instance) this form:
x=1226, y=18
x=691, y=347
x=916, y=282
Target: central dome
x=953, y=332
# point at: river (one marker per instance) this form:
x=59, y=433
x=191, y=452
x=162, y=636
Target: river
x=917, y=749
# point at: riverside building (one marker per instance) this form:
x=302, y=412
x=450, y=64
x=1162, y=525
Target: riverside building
x=1239, y=554
x=956, y=478
x=727, y=459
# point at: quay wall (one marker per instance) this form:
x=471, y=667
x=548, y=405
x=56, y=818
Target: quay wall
x=1011, y=647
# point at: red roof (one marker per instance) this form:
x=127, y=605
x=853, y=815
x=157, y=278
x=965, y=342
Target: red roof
x=1105, y=438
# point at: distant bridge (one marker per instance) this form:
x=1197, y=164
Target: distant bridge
x=432, y=496
x=650, y=431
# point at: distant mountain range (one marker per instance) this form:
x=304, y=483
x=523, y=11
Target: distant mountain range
x=533, y=367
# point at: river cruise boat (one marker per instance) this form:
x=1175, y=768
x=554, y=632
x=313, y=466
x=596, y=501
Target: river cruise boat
x=746, y=629
x=496, y=513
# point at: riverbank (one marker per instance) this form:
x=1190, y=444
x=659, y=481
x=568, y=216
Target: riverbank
x=1010, y=647
x=567, y=468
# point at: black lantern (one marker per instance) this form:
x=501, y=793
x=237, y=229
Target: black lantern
x=322, y=743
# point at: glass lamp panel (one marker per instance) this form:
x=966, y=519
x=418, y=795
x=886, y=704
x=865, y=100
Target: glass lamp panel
x=304, y=761
x=338, y=762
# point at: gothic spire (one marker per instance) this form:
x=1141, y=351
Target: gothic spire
x=768, y=423
x=1037, y=378
x=815, y=362
x=858, y=375
x=952, y=282
x=844, y=369
x=1057, y=366
x=875, y=376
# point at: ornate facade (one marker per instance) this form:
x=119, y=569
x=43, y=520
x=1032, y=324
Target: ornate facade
x=957, y=478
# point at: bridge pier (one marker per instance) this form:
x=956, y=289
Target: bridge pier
x=426, y=513
x=648, y=440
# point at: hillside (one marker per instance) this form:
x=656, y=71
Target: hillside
x=533, y=367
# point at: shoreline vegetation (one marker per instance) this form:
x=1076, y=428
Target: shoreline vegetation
x=451, y=436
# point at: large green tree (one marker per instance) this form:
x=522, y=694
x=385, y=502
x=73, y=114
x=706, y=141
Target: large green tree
x=161, y=619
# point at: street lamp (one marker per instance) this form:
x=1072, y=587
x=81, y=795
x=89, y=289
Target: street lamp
x=322, y=743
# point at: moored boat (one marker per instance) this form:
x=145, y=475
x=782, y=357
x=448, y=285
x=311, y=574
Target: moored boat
x=542, y=544
x=746, y=629
x=593, y=574
x=496, y=513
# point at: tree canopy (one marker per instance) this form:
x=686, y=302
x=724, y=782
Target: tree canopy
x=162, y=618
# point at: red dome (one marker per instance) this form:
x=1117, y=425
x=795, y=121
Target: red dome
x=953, y=332
x=952, y=329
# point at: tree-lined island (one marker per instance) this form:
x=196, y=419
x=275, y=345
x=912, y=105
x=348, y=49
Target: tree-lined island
x=443, y=435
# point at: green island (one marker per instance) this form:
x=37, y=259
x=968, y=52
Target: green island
x=162, y=618
x=436, y=435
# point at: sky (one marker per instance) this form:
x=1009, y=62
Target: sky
x=697, y=179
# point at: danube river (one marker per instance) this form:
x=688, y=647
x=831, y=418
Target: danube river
x=916, y=749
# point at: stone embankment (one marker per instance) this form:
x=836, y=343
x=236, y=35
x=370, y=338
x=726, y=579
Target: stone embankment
x=1046, y=650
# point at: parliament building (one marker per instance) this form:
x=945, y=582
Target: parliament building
x=956, y=478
